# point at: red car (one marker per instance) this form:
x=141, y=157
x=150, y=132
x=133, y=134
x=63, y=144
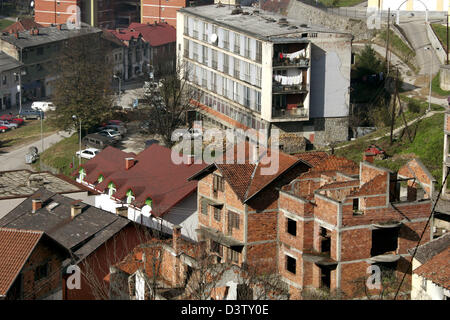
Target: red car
x=3, y=128
x=12, y=119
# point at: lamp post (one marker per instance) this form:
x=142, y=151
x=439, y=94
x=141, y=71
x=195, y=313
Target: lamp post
x=120, y=91
x=74, y=117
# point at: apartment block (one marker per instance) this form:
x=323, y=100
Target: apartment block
x=341, y=218
x=256, y=69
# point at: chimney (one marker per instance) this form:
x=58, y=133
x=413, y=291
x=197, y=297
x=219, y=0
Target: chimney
x=129, y=162
x=75, y=209
x=176, y=235
x=369, y=157
x=36, y=204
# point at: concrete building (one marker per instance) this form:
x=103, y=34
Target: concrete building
x=17, y=185
x=431, y=271
x=341, y=218
x=256, y=69
x=37, y=49
x=9, y=81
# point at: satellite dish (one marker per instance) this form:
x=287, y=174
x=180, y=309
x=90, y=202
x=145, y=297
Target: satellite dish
x=213, y=38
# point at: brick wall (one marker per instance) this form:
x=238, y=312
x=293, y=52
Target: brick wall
x=153, y=10
x=48, y=12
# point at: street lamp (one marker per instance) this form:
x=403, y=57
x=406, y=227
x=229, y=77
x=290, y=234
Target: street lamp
x=74, y=117
x=120, y=82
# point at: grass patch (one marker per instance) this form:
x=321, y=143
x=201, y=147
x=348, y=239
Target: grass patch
x=28, y=132
x=61, y=155
x=436, y=86
x=398, y=47
x=441, y=33
x=427, y=145
x=5, y=23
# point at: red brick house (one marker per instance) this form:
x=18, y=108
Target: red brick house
x=238, y=208
x=30, y=265
x=94, y=238
x=339, y=218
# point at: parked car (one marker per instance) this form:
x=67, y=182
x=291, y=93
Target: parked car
x=10, y=125
x=97, y=141
x=31, y=114
x=148, y=143
x=192, y=133
x=3, y=128
x=11, y=118
x=88, y=153
x=112, y=134
x=43, y=105
x=122, y=130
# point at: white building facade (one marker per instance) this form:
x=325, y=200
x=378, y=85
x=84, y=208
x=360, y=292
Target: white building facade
x=260, y=71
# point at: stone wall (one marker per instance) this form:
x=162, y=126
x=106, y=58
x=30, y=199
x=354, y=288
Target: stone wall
x=444, y=77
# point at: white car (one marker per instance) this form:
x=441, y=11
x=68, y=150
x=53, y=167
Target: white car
x=43, y=105
x=110, y=133
x=88, y=153
x=10, y=125
x=192, y=133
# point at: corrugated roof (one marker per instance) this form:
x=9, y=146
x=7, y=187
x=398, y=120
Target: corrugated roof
x=428, y=250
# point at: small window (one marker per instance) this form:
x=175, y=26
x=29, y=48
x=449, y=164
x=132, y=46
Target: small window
x=217, y=214
x=41, y=272
x=291, y=227
x=291, y=264
x=218, y=183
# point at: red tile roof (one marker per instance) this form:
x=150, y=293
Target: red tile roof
x=15, y=248
x=22, y=25
x=314, y=158
x=332, y=164
x=373, y=187
x=155, y=34
x=437, y=269
x=154, y=175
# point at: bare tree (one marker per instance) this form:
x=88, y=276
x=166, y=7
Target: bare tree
x=169, y=102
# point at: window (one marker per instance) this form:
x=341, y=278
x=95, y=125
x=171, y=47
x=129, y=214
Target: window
x=226, y=63
x=233, y=221
x=356, y=208
x=195, y=31
x=214, y=59
x=217, y=213
x=291, y=227
x=205, y=54
x=291, y=264
x=384, y=241
x=186, y=48
x=41, y=272
x=258, y=51
x=204, y=207
x=246, y=96
x=236, y=68
x=82, y=174
x=111, y=189
x=216, y=247
x=205, y=33
x=226, y=43
x=4, y=80
x=258, y=101
x=130, y=196
x=247, y=71
x=247, y=47
x=214, y=82
x=232, y=255
x=225, y=87
x=237, y=43
x=218, y=183
x=258, y=76
x=195, y=47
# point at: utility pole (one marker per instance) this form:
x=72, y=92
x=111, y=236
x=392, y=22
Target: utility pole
x=393, y=108
x=387, y=40
x=447, y=39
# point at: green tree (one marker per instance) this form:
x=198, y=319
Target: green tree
x=83, y=83
x=368, y=63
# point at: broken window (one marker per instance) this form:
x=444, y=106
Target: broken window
x=384, y=241
x=291, y=227
x=291, y=264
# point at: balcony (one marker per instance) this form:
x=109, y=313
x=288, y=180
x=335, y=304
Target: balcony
x=297, y=113
x=278, y=88
x=290, y=63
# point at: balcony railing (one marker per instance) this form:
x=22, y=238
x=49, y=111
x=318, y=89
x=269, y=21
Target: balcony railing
x=289, y=88
x=290, y=113
x=297, y=62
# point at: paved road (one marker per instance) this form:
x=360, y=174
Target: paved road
x=15, y=159
x=416, y=33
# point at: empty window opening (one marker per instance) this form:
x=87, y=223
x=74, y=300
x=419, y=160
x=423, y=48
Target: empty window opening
x=388, y=272
x=325, y=240
x=244, y=292
x=356, y=207
x=291, y=264
x=291, y=226
x=384, y=241
x=232, y=255
x=325, y=277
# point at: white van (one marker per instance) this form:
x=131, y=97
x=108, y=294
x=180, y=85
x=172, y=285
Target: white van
x=44, y=106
